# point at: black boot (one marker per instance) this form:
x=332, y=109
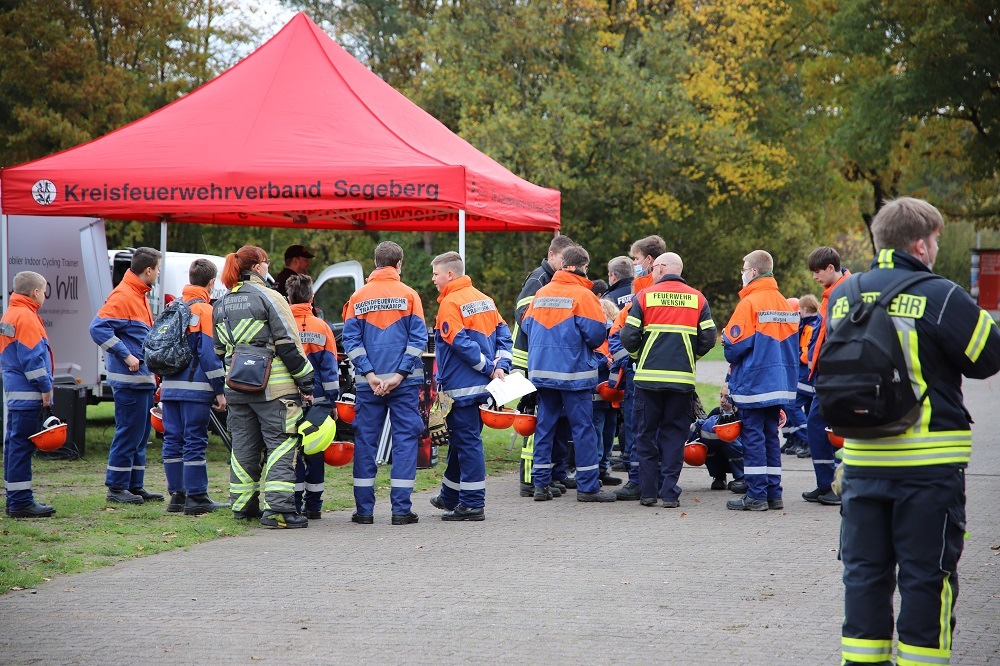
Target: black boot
x=176, y=503
x=278, y=520
x=195, y=505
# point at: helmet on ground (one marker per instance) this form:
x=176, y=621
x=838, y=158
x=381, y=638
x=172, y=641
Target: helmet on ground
x=728, y=431
x=52, y=435
x=524, y=424
x=156, y=419
x=316, y=437
x=339, y=454
x=345, y=411
x=836, y=440
x=500, y=418
x=610, y=394
x=695, y=453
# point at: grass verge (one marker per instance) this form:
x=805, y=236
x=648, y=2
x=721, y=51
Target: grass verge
x=87, y=533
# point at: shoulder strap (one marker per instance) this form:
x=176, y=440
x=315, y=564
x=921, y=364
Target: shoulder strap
x=900, y=285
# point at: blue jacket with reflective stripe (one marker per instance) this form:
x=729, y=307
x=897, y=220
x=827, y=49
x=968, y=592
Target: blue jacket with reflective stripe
x=762, y=346
x=24, y=355
x=471, y=340
x=565, y=325
x=384, y=329
x=204, y=377
x=119, y=328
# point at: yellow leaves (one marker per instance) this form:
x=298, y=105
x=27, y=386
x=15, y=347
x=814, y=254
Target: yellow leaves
x=663, y=206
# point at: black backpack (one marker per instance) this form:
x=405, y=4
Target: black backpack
x=862, y=382
x=166, y=350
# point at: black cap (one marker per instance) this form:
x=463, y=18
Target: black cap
x=297, y=251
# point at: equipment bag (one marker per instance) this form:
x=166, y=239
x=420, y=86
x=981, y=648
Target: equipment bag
x=249, y=369
x=166, y=350
x=862, y=380
x=250, y=366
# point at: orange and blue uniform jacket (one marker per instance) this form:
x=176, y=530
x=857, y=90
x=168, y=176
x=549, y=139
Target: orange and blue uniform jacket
x=824, y=313
x=671, y=324
x=120, y=328
x=203, y=379
x=761, y=343
x=321, y=348
x=384, y=329
x=620, y=357
x=25, y=355
x=565, y=326
x=809, y=328
x=471, y=340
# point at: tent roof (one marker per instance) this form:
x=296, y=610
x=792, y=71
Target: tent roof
x=298, y=134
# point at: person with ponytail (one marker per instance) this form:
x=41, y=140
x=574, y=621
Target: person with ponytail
x=252, y=316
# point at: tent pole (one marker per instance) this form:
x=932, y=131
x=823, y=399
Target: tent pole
x=163, y=250
x=461, y=234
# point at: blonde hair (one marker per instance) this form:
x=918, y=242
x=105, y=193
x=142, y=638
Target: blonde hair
x=760, y=260
x=610, y=309
x=809, y=303
x=450, y=261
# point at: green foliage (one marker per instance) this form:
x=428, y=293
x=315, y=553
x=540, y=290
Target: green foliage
x=722, y=126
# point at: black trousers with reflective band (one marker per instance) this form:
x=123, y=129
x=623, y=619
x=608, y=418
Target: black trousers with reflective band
x=917, y=525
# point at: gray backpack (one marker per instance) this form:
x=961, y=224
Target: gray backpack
x=166, y=350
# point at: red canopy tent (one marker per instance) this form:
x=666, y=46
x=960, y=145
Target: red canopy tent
x=298, y=134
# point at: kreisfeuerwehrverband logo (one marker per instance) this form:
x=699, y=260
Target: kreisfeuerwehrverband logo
x=43, y=192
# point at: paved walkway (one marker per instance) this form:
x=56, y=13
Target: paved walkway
x=554, y=582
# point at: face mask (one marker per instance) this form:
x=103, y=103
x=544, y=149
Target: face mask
x=639, y=271
x=745, y=278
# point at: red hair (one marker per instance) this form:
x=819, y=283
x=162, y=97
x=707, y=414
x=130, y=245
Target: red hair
x=240, y=262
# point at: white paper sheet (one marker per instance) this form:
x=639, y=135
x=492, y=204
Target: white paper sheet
x=510, y=388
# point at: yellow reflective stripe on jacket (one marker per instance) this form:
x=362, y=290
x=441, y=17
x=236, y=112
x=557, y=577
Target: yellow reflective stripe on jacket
x=708, y=323
x=977, y=343
x=885, y=259
x=909, y=342
x=911, y=449
x=665, y=376
x=672, y=328
x=866, y=650
x=633, y=321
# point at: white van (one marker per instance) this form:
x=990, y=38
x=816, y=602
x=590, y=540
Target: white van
x=333, y=287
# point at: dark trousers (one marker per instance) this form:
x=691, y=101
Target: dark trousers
x=578, y=409
x=605, y=421
x=919, y=526
x=663, y=419
x=560, y=453
x=464, y=479
x=402, y=405
x=17, y=450
x=127, y=456
x=824, y=456
x=185, y=442
x=761, y=452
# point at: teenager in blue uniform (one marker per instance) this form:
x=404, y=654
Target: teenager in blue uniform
x=26, y=359
x=188, y=397
x=120, y=328
x=321, y=349
x=384, y=336
x=472, y=345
